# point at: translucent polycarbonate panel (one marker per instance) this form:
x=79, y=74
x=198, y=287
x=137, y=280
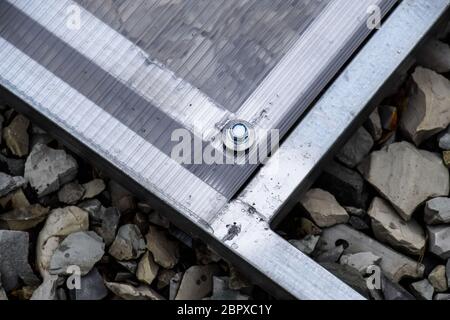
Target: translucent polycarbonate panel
x=223, y=47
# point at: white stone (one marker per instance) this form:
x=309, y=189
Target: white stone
x=93, y=188
x=428, y=111
x=323, y=208
x=306, y=245
x=197, y=283
x=438, y=279
x=406, y=176
x=129, y=292
x=47, y=169
x=47, y=290
x=59, y=224
x=390, y=228
x=147, y=269
x=360, y=261
x=423, y=289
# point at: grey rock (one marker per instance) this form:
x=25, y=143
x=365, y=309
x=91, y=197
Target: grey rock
x=129, y=292
x=237, y=281
x=16, y=136
x=423, y=290
x=47, y=169
x=360, y=261
x=81, y=249
x=444, y=140
x=3, y=296
x=25, y=218
x=126, y=277
x=164, y=278
x=356, y=149
x=165, y=251
x=9, y=184
x=158, y=219
x=47, y=291
x=92, y=287
x=128, y=244
x=427, y=113
x=439, y=242
x=204, y=255
x=435, y=55
x=14, y=264
x=221, y=291
x=40, y=138
x=373, y=125
x=141, y=221
x=105, y=223
x=329, y=255
x=93, y=206
x=442, y=297
x=306, y=245
x=390, y=228
x=350, y=276
x=437, y=211
x=15, y=167
x=197, y=282
x=393, y=291
x=15, y=200
x=308, y=228
x=438, y=279
x=345, y=184
x=323, y=208
x=421, y=175
x=181, y=236
x=93, y=188
x=121, y=198
x=393, y=264
x=71, y=193
x=446, y=158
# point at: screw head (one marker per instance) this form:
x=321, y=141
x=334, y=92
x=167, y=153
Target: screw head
x=238, y=135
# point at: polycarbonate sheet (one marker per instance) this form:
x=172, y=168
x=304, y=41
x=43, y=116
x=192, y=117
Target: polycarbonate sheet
x=223, y=47
x=152, y=67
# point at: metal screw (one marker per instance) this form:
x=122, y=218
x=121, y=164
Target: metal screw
x=238, y=135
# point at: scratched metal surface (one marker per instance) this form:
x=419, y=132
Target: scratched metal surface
x=122, y=101
x=223, y=47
